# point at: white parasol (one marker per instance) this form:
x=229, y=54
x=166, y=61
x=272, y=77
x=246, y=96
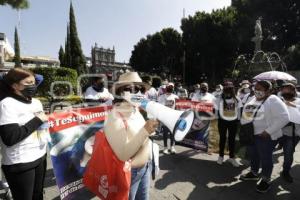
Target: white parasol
x=275, y=75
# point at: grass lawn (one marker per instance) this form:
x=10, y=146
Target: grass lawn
x=213, y=145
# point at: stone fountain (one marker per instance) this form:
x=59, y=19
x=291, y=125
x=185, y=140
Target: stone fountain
x=245, y=68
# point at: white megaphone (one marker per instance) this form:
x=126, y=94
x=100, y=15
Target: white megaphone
x=179, y=122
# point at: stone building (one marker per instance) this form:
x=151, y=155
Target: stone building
x=6, y=50
x=103, y=62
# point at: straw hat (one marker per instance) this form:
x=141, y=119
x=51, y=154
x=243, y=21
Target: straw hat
x=130, y=78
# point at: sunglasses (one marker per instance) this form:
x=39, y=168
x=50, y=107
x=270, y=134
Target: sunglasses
x=132, y=89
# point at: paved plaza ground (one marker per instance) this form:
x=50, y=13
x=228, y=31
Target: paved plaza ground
x=195, y=176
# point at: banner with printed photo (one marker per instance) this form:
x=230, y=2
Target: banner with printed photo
x=72, y=137
x=197, y=138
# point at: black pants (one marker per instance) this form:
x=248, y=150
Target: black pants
x=166, y=134
x=231, y=127
x=26, y=180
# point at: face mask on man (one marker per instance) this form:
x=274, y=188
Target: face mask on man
x=203, y=90
x=259, y=94
x=169, y=89
x=288, y=95
x=29, y=91
x=98, y=87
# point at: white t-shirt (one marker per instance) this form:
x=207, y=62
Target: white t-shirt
x=230, y=110
x=182, y=93
x=217, y=94
x=207, y=97
x=168, y=100
x=247, y=98
x=31, y=148
x=152, y=94
x=92, y=94
x=271, y=117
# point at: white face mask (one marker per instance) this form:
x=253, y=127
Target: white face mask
x=259, y=94
x=247, y=90
x=218, y=90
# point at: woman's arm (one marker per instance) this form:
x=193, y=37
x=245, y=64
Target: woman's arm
x=12, y=134
x=279, y=115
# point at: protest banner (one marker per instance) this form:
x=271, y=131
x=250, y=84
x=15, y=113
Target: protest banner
x=71, y=145
x=197, y=138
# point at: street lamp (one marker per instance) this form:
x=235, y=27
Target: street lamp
x=203, y=77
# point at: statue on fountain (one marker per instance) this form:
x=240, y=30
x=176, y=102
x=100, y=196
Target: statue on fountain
x=257, y=39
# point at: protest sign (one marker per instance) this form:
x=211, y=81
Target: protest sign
x=197, y=137
x=72, y=137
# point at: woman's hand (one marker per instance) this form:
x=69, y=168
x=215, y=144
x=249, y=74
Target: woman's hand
x=42, y=116
x=150, y=126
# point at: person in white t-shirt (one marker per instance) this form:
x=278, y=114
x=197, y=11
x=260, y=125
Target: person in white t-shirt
x=97, y=93
x=229, y=108
x=181, y=92
x=152, y=93
x=203, y=95
x=168, y=99
x=249, y=96
x=162, y=88
x=244, y=90
x=218, y=92
x=291, y=132
x=23, y=135
x=272, y=116
x=195, y=90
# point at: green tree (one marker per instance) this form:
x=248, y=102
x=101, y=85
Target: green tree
x=67, y=57
x=139, y=56
x=16, y=4
x=61, y=56
x=17, y=57
x=77, y=59
x=210, y=44
x=157, y=53
x=172, y=50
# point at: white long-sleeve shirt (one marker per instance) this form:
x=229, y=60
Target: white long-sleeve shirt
x=271, y=117
x=288, y=130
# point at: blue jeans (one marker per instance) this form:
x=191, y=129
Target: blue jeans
x=140, y=182
x=288, y=151
x=261, y=154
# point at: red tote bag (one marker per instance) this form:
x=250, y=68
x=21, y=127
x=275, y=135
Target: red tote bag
x=107, y=176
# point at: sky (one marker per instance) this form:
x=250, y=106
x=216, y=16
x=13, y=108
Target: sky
x=119, y=23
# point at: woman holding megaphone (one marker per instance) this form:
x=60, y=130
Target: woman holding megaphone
x=128, y=134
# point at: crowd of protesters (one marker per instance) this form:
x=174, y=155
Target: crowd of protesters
x=262, y=103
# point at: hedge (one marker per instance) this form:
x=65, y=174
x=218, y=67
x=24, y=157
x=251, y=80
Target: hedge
x=56, y=74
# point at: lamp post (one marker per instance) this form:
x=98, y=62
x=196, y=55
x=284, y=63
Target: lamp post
x=203, y=77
